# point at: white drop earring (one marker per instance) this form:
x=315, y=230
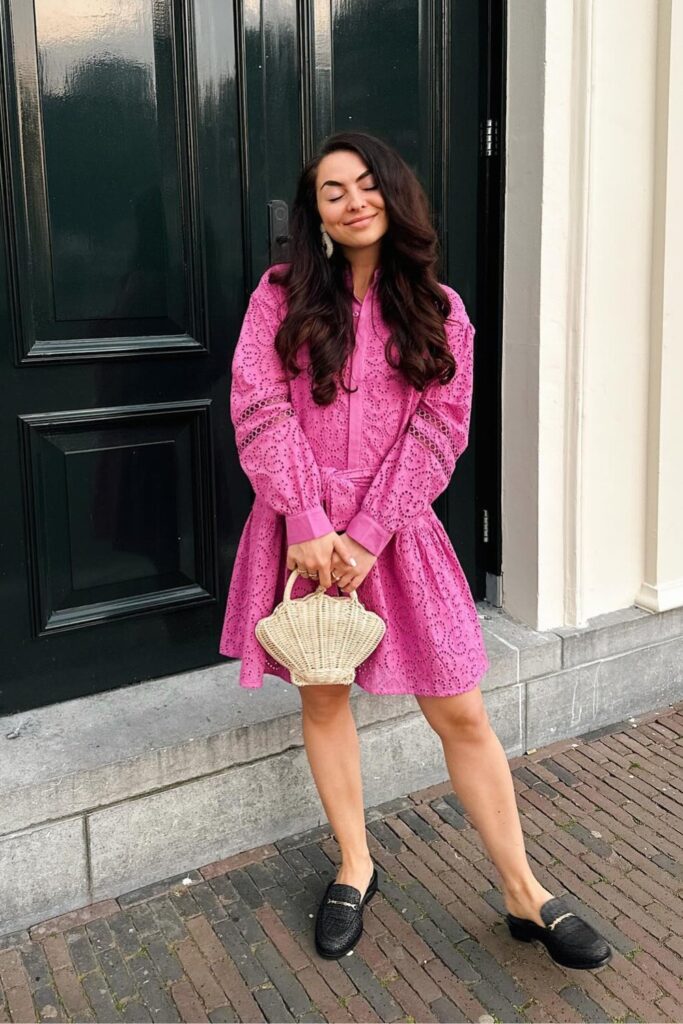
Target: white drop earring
x=327, y=242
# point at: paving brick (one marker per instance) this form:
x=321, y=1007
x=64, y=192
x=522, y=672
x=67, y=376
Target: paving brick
x=169, y=921
x=239, y=996
x=381, y=1001
x=322, y=995
x=632, y=997
x=237, y=861
x=300, y=839
x=270, y=1001
x=456, y=990
x=243, y=917
x=446, y=951
x=206, y=939
x=360, y=1009
x=151, y=990
x=20, y=1004
x=147, y=892
x=135, y=1012
x=99, y=997
x=47, y=1003
x=312, y=1017
x=589, y=1010
x=418, y=825
x=260, y=876
x=444, y=1010
x=100, y=935
x=496, y=1003
x=188, y=1002
x=412, y=972
x=374, y=956
x=671, y=1008
x=74, y=918
x=80, y=951
x=181, y=900
x=297, y=862
x=246, y=889
x=240, y=953
x=386, y=836
x=71, y=991
x=12, y=970
x=144, y=920
x=36, y=966
x=449, y=815
x=199, y=973
x=116, y=972
x=417, y=845
x=320, y=862
x=666, y=980
x=668, y=959
x=284, y=874
x=401, y=930
x=166, y=963
x=294, y=913
x=223, y=888
x=293, y=994
x=406, y=997
x=207, y=898
x=441, y=917
x=416, y=866
x=125, y=933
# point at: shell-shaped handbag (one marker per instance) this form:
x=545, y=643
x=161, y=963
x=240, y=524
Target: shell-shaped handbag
x=320, y=638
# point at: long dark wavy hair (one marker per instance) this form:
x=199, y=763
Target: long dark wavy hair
x=412, y=303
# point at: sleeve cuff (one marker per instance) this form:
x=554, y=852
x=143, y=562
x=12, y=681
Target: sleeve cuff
x=368, y=532
x=308, y=525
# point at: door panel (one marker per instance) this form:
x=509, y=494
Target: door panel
x=104, y=247
x=119, y=152
x=142, y=143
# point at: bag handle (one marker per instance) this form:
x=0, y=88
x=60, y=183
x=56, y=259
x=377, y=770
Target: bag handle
x=320, y=589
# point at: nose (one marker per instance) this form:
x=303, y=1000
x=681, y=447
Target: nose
x=356, y=200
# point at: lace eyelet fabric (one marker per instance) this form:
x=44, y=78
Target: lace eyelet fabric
x=371, y=465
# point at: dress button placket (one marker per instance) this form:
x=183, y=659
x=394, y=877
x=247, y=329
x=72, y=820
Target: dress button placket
x=356, y=397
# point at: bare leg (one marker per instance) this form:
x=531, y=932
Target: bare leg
x=333, y=752
x=480, y=775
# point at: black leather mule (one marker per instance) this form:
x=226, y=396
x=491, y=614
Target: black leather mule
x=570, y=941
x=339, y=922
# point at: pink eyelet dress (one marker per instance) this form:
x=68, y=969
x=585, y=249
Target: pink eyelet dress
x=370, y=464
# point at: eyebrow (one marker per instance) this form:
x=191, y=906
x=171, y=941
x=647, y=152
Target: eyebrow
x=363, y=175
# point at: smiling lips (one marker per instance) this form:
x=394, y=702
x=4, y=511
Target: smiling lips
x=361, y=222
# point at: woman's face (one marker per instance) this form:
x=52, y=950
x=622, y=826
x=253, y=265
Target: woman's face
x=346, y=191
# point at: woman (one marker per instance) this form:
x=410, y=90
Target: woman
x=351, y=395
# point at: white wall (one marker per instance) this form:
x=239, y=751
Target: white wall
x=591, y=436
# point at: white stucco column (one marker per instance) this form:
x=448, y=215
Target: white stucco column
x=662, y=586
x=592, y=419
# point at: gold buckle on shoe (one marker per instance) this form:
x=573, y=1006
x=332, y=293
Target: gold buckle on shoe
x=560, y=918
x=345, y=903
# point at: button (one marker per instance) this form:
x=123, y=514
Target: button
x=356, y=313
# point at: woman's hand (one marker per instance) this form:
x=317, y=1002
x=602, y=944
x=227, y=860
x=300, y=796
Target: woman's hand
x=351, y=578
x=315, y=556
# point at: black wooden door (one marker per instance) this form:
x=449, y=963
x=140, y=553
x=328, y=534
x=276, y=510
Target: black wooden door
x=141, y=145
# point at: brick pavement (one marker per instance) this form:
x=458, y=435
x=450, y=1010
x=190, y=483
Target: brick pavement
x=232, y=941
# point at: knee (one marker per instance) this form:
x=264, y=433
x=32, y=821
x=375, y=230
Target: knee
x=461, y=717
x=321, y=703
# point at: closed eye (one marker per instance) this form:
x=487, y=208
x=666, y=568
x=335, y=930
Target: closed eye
x=371, y=188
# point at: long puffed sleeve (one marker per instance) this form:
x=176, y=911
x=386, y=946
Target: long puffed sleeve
x=418, y=467
x=272, y=448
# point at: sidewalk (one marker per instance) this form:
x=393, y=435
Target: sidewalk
x=232, y=941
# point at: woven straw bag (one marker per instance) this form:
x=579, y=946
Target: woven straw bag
x=320, y=638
